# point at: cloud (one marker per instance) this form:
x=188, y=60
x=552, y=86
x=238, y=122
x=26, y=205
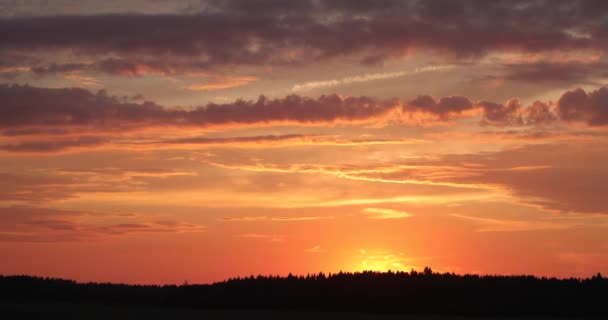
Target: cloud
x=148, y=227
x=229, y=33
x=507, y=114
x=315, y=249
x=244, y=219
x=32, y=188
x=280, y=140
x=25, y=106
x=365, y=78
x=540, y=113
x=574, y=105
x=225, y=83
x=398, y=173
x=127, y=67
x=565, y=177
x=540, y=134
x=445, y=108
x=590, y=107
x=278, y=219
x=505, y=225
x=547, y=71
x=513, y=114
x=36, y=224
x=51, y=184
x=269, y=237
x=75, y=118
x=553, y=222
x=298, y=218
x=290, y=138
x=54, y=145
x=99, y=173
x=347, y=80
x=383, y=213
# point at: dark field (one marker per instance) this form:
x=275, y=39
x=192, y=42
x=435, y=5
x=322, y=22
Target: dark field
x=92, y=311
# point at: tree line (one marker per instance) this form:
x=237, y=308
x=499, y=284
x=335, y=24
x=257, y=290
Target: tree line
x=411, y=292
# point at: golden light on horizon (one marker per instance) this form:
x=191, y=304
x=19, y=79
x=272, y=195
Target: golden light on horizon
x=383, y=261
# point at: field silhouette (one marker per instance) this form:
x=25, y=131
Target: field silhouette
x=414, y=293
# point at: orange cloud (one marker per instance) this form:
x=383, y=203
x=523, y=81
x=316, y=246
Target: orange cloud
x=269, y=141
x=393, y=173
x=33, y=224
x=269, y=237
x=279, y=219
x=315, y=249
x=223, y=83
x=382, y=213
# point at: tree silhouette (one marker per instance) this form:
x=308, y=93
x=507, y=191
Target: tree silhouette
x=390, y=292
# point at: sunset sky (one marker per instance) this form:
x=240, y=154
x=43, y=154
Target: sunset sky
x=164, y=141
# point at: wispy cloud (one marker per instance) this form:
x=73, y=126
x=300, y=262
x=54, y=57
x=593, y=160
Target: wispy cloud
x=298, y=218
x=34, y=224
x=315, y=249
x=281, y=219
x=382, y=213
x=261, y=236
x=505, y=225
x=222, y=83
x=84, y=81
x=365, y=78
x=396, y=173
x=269, y=141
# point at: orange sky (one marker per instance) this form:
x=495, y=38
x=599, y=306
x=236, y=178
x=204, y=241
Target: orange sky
x=311, y=137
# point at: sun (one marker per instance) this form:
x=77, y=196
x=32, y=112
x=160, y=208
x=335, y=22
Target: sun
x=382, y=261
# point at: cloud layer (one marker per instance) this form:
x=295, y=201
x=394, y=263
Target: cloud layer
x=220, y=34
x=25, y=106
x=34, y=224
x=48, y=120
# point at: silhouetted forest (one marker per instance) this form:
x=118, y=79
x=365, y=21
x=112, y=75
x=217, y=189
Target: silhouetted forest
x=377, y=292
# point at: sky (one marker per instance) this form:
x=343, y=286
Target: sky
x=169, y=141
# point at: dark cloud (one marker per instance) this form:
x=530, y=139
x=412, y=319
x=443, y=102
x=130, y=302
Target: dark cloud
x=216, y=141
x=227, y=33
x=569, y=72
x=74, y=117
x=513, y=113
x=539, y=113
x=507, y=114
x=51, y=184
x=42, y=187
x=32, y=106
x=25, y=106
x=444, y=108
x=32, y=188
x=34, y=131
x=37, y=224
x=510, y=113
x=128, y=67
x=565, y=177
x=590, y=107
x=54, y=145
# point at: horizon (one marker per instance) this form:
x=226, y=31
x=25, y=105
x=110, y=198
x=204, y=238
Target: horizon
x=313, y=275
x=160, y=141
